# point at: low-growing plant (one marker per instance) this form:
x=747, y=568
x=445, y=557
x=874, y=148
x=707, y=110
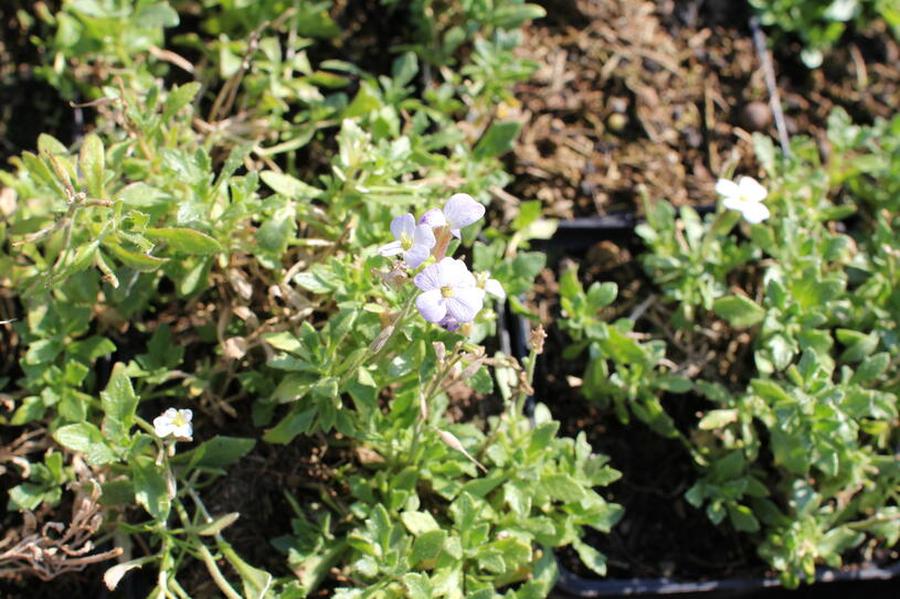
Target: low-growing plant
x=190, y=268
x=797, y=449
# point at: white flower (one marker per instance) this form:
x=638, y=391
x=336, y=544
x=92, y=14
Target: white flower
x=176, y=423
x=412, y=240
x=461, y=210
x=746, y=196
x=450, y=295
x=490, y=285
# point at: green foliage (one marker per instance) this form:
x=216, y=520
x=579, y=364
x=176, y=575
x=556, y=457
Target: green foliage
x=214, y=245
x=799, y=451
x=621, y=370
x=821, y=23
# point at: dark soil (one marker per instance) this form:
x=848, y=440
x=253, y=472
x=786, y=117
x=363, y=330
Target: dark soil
x=659, y=97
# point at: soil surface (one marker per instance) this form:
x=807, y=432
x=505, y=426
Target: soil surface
x=660, y=97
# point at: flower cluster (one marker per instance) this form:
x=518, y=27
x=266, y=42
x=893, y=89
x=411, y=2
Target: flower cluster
x=451, y=295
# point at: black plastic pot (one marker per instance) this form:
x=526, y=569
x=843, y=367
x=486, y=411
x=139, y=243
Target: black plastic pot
x=572, y=237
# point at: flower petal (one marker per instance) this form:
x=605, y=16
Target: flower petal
x=728, y=189
x=493, y=287
x=751, y=190
x=428, y=279
x=755, y=212
x=416, y=255
x=424, y=236
x=431, y=305
x=449, y=323
x=465, y=304
x=433, y=218
x=391, y=249
x=461, y=210
x=403, y=225
x=187, y=415
x=734, y=203
x=454, y=273
x=162, y=426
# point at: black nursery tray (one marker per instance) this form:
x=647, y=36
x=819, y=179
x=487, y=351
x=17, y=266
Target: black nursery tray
x=573, y=238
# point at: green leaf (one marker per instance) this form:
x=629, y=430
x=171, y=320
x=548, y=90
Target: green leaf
x=717, y=419
x=179, y=97
x=872, y=368
x=512, y=16
x=284, y=341
x=418, y=586
x=600, y=295
x=185, y=241
x=295, y=423
x=218, y=452
x=498, y=140
x=256, y=582
x=288, y=186
x=91, y=163
x=26, y=496
x=158, y=14
x=590, y=557
x=838, y=540
x=404, y=68
x=419, y=523
x=742, y=518
x=563, y=487
x=739, y=311
x=428, y=546
x=137, y=261
x=211, y=529
x=150, y=488
x=85, y=438
x=119, y=403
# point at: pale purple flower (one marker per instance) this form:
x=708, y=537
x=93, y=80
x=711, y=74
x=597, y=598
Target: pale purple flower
x=461, y=210
x=412, y=240
x=746, y=196
x=433, y=218
x=450, y=294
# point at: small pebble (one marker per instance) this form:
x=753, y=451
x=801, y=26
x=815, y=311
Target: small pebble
x=756, y=116
x=617, y=122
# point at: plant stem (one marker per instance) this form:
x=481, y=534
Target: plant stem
x=216, y=574
x=390, y=331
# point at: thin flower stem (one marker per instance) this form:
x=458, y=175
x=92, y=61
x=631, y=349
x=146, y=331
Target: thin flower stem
x=216, y=574
x=432, y=388
x=396, y=325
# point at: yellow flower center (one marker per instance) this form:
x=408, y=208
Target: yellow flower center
x=446, y=291
x=179, y=420
x=406, y=242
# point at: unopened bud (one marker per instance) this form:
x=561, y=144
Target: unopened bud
x=395, y=277
x=381, y=339
x=440, y=351
x=170, y=483
x=452, y=442
x=471, y=369
x=423, y=407
x=536, y=340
